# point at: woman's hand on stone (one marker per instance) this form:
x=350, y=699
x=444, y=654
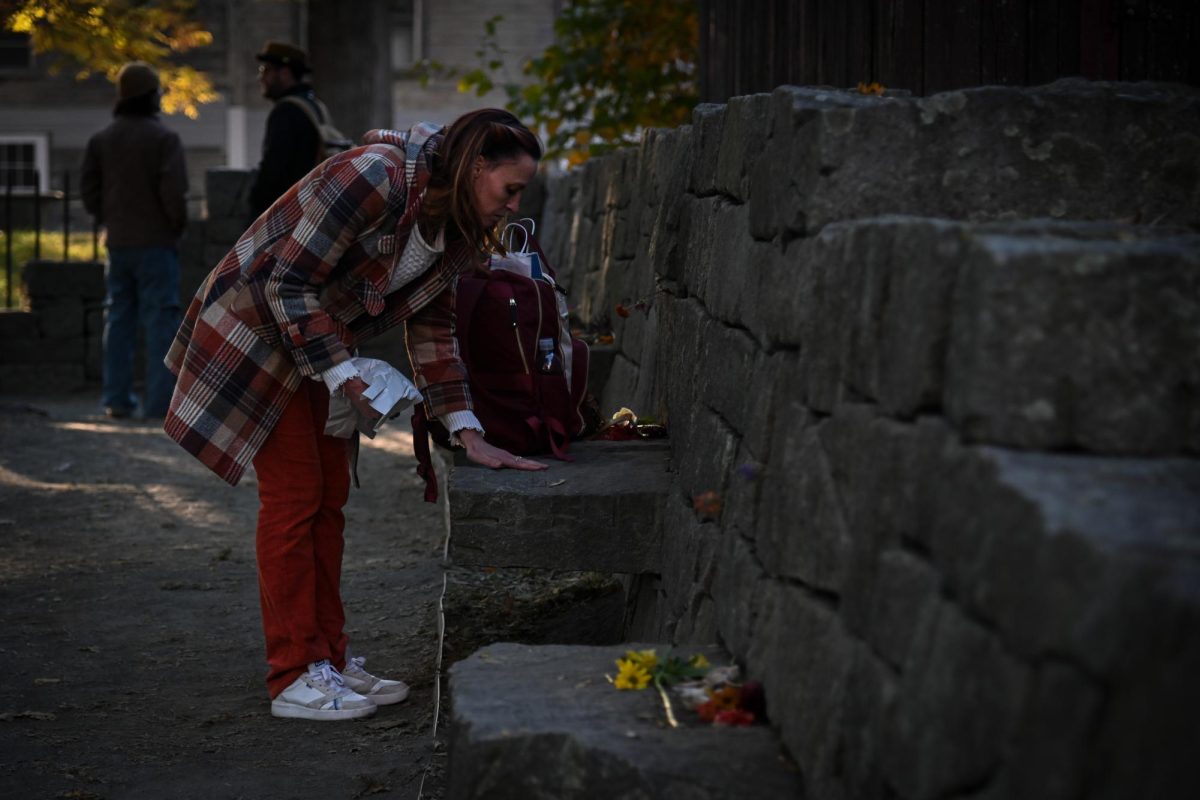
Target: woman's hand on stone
x=479, y=451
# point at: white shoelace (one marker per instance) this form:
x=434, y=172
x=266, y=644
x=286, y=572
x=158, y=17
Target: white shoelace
x=325, y=672
x=357, y=663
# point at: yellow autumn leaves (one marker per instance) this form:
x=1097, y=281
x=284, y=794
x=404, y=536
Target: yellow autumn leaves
x=101, y=36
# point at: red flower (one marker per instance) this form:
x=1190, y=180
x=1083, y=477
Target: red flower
x=707, y=711
x=733, y=717
x=622, y=311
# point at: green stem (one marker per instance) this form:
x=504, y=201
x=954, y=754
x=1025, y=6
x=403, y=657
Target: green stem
x=666, y=704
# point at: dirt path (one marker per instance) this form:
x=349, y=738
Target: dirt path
x=129, y=623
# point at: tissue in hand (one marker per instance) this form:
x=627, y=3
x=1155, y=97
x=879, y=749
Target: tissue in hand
x=389, y=392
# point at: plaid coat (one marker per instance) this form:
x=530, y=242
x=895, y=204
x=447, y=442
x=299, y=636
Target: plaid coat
x=300, y=288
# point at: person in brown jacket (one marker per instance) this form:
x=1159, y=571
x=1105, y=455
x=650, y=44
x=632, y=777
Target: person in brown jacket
x=135, y=184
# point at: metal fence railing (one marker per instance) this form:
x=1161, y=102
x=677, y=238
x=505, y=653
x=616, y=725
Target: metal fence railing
x=11, y=269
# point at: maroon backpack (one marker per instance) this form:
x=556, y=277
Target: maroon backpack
x=520, y=395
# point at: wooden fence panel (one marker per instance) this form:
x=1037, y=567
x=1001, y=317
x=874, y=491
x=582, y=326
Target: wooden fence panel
x=1133, y=38
x=755, y=29
x=952, y=46
x=831, y=63
x=901, y=28
x=1168, y=45
x=927, y=46
x=858, y=43
x=812, y=40
x=791, y=35
x=1070, y=14
x=1041, y=56
x=1099, y=46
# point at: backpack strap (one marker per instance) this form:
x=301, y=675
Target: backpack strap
x=318, y=115
x=425, y=470
x=311, y=112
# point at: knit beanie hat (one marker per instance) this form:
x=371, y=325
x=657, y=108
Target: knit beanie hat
x=136, y=79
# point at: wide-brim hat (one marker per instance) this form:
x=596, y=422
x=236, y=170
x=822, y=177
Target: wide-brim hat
x=283, y=54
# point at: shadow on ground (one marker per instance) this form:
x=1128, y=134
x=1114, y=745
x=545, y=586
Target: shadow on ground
x=130, y=626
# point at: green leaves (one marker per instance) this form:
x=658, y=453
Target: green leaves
x=615, y=68
x=639, y=668
x=677, y=670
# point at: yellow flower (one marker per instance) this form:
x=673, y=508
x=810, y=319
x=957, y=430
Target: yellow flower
x=699, y=661
x=646, y=659
x=631, y=675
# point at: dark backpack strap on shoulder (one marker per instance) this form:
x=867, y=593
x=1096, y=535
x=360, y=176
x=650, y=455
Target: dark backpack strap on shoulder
x=310, y=110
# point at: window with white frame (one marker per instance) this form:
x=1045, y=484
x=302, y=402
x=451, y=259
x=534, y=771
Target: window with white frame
x=24, y=162
x=16, y=52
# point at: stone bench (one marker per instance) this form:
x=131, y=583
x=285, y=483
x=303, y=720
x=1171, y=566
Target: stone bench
x=601, y=512
x=544, y=722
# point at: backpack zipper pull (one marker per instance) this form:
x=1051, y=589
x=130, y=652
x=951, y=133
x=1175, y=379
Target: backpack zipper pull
x=512, y=316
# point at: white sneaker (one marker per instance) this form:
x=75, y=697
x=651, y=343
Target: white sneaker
x=321, y=694
x=379, y=691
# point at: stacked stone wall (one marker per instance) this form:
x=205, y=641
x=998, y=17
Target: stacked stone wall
x=939, y=361
x=54, y=344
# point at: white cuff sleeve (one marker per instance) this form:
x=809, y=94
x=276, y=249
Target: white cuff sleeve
x=339, y=374
x=457, y=421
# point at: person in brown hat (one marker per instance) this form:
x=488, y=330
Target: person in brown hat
x=135, y=184
x=292, y=144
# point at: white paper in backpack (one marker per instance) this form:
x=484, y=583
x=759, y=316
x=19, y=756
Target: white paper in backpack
x=519, y=258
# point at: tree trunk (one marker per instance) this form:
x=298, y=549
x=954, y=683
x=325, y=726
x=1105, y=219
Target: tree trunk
x=350, y=48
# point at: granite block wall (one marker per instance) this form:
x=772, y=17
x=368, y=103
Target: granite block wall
x=54, y=344
x=939, y=359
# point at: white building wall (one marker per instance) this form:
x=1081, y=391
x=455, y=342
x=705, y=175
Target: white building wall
x=229, y=132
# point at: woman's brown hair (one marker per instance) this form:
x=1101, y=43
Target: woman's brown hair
x=492, y=133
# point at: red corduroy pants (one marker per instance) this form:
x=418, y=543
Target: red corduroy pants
x=303, y=483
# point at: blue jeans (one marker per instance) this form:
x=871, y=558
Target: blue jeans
x=143, y=287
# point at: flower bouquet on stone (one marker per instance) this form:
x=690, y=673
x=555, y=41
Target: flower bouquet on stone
x=722, y=698
x=626, y=426
x=713, y=693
